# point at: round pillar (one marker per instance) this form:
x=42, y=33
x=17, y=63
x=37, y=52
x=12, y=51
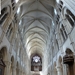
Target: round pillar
x=13, y=70
x=7, y=68
x=59, y=70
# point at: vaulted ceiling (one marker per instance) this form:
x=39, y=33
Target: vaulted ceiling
x=37, y=17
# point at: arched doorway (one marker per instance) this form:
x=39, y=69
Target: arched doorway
x=3, y=58
x=68, y=59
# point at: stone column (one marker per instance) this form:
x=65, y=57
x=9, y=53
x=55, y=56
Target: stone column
x=17, y=71
x=59, y=67
x=13, y=70
x=54, y=71
x=64, y=69
x=7, y=68
x=58, y=38
x=23, y=73
x=59, y=70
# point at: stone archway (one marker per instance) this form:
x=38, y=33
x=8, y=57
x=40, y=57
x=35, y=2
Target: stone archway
x=68, y=59
x=3, y=53
x=4, y=58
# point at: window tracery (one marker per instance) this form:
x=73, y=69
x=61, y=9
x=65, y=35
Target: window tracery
x=36, y=63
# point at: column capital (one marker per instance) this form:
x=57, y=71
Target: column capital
x=7, y=62
x=58, y=68
x=14, y=67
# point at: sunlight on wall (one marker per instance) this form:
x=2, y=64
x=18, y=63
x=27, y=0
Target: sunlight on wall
x=41, y=73
x=57, y=1
x=16, y=1
x=18, y=10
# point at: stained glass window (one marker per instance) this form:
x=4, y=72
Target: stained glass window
x=36, y=59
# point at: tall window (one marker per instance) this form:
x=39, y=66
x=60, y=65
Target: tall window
x=9, y=31
x=36, y=59
x=60, y=5
x=63, y=32
x=3, y=15
x=71, y=14
x=70, y=17
x=13, y=4
x=71, y=21
x=36, y=63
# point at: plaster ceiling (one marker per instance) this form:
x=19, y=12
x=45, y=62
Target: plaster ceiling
x=36, y=17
